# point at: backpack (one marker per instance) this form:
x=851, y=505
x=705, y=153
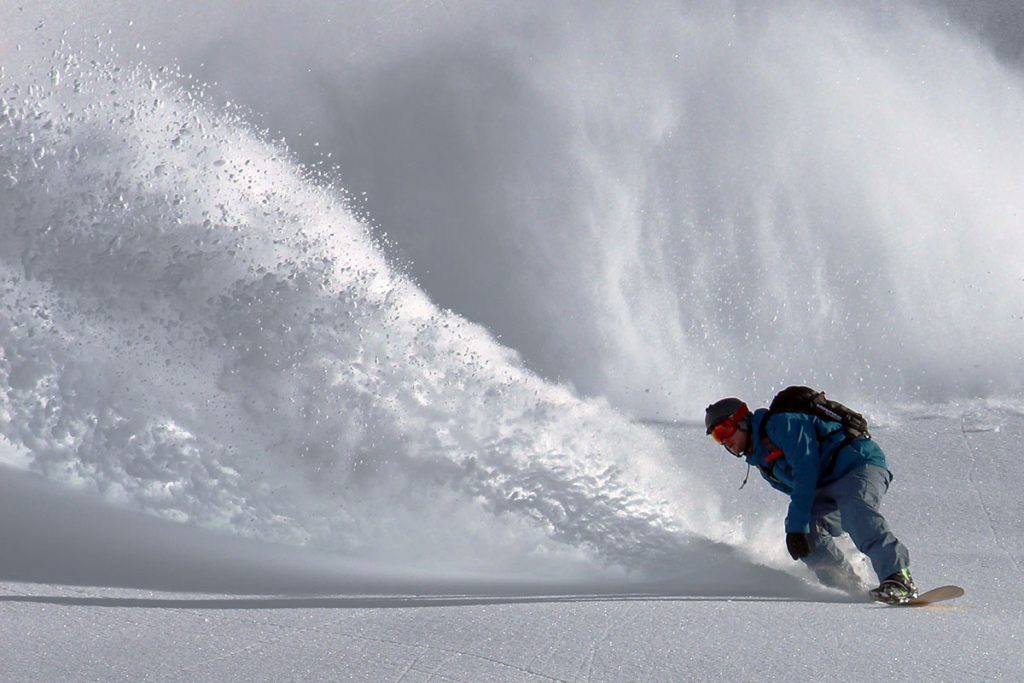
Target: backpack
x=798, y=399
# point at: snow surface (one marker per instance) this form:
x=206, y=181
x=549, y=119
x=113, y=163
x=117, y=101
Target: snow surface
x=955, y=501
x=370, y=340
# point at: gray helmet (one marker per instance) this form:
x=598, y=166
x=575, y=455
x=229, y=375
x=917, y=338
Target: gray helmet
x=723, y=410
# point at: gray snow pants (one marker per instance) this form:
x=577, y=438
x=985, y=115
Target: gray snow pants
x=850, y=505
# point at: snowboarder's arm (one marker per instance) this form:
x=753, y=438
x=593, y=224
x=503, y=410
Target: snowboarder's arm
x=795, y=435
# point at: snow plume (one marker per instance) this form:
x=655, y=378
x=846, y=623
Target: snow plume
x=194, y=327
x=668, y=203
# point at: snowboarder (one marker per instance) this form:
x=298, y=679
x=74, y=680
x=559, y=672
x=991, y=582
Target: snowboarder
x=835, y=485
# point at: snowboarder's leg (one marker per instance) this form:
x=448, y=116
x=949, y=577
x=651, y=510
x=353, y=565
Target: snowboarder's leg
x=858, y=496
x=826, y=559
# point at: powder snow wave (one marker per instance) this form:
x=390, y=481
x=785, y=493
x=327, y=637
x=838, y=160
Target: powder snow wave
x=196, y=327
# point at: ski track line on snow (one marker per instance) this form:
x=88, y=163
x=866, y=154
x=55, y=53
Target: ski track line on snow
x=225, y=656
x=284, y=632
x=981, y=498
x=555, y=639
x=412, y=665
x=428, y=647
x=455, y=653
x=631, y=613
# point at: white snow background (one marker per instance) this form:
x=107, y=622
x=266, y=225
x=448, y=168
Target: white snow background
x=371, y=340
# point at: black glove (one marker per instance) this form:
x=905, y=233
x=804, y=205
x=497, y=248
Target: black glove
x=798, y=545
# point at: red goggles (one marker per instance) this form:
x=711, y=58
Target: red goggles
x=724, y=429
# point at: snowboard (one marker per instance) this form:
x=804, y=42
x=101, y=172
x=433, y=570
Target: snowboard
x=931, y=597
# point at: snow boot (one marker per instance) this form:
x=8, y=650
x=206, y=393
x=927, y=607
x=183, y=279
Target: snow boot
x=896, y=589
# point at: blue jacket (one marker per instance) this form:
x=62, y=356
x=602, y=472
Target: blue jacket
x=806, y=452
